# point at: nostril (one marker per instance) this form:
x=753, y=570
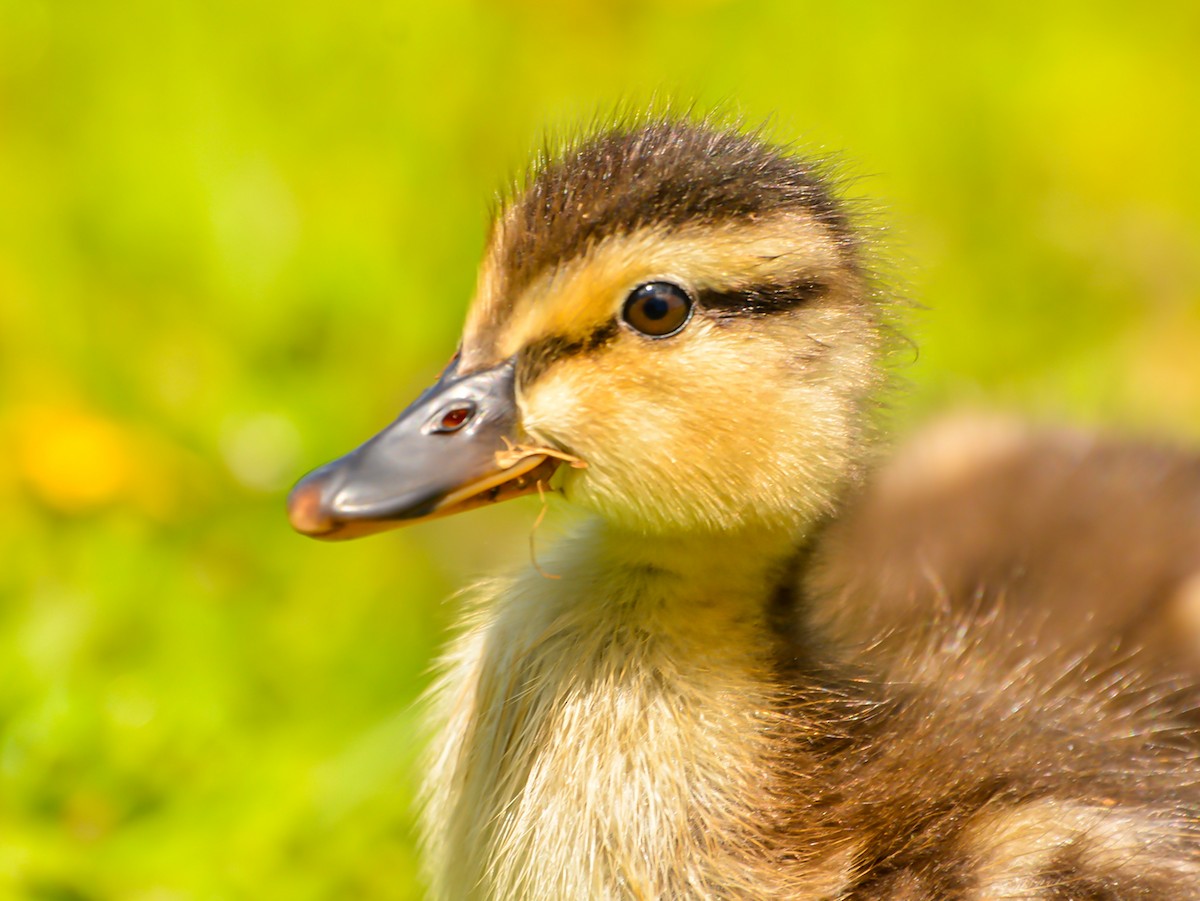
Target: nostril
x=454, y=418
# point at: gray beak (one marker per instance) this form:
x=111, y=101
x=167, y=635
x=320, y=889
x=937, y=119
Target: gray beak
x=448, y=452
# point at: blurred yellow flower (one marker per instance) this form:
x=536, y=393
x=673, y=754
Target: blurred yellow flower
x=73, y=460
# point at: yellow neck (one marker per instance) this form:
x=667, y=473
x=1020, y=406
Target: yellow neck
x=609, y=733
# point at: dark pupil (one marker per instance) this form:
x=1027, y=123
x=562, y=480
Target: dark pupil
x=656, y=307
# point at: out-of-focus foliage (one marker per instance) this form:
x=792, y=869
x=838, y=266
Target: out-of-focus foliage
x=235, y=237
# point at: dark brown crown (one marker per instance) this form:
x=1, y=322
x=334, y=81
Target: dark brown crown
x=667, y=172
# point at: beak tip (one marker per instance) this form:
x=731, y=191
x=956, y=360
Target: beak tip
x=306, y=512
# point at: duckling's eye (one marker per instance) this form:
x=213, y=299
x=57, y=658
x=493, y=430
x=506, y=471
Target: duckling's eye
x=657, y=309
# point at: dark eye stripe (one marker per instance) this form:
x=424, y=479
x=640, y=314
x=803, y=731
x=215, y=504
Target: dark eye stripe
x=762, y=300
x=536, y=357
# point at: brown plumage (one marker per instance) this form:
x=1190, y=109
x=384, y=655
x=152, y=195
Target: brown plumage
x=767, y=666
x=1081, y=543
x=643, y=176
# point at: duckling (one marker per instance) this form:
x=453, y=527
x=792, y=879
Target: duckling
x=675, y=327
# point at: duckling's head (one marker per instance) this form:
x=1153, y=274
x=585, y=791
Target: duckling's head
x=676, y=308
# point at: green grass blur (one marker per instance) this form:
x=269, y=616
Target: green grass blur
x=235, y=237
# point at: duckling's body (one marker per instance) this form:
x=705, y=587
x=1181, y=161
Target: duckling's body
x=1081, y=544
x=740, y=678
x=656, y=735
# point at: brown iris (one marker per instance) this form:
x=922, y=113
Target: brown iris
x=657, y=309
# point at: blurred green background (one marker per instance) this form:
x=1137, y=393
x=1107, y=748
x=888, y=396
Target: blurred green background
x=235, y=237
